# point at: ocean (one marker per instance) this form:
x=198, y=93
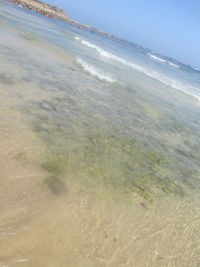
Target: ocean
x=99, y=151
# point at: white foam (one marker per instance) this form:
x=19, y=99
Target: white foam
x=148, y=72
x=195, y=69
x=163, y=60
x=98, y=49
x=77, y=38
x=172, y=64
x=156, y=58
x=95, y=72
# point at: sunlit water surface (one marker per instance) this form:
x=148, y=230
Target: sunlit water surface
x=99, y=150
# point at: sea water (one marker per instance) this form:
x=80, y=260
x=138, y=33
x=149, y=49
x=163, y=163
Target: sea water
x=99, y=149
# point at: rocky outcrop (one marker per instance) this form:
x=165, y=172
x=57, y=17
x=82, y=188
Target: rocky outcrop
x=56, y=12
x=43, y=8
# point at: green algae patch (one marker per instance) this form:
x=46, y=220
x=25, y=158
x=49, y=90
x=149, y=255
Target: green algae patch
x=117, y=164
x=30, y=37
x=55, y=185
x=103, y=157
x=21, y=156
x=56, y=167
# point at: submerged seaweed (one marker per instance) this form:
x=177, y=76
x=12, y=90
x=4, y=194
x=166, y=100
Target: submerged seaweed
x=21, y=156
x=29, y=36
x=55, y=167
x=116, y=163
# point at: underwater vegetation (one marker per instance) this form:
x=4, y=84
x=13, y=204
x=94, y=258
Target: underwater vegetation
x=29, y=36
x=127, y=148
x=115, y=162
x=56, y=167
x=21, y=156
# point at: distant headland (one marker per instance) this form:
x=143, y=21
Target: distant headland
x=55, y=12
x=41, y=8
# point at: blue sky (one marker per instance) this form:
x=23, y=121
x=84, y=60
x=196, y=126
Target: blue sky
x=171, y=27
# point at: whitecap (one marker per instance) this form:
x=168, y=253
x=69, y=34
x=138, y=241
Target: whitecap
x=195, y=69
x=163, y=60
x=95, y=71
x=157, y=58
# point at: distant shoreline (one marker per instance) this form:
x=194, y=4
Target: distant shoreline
x=41, y=8
x=55, y=12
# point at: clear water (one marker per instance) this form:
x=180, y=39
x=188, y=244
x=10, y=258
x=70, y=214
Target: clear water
x=99, y=149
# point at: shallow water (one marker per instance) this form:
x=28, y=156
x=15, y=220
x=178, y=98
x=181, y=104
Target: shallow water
x=94, y=172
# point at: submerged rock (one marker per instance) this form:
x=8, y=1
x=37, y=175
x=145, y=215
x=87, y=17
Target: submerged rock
x=55, y=185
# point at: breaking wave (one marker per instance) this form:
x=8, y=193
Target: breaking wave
x=95, y=72
x=190, y=90
x=163, y=60
x=195, y=69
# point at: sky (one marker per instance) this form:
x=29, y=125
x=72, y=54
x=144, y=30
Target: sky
x=170, y=27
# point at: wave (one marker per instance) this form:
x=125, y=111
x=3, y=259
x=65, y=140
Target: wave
x=148, y=72
x=195, y=69
x=172, y=64
x=98, y=49
x=108, y=55
x=95, y=72
x=157, y=58
x=163, y=60
x=123, y=61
